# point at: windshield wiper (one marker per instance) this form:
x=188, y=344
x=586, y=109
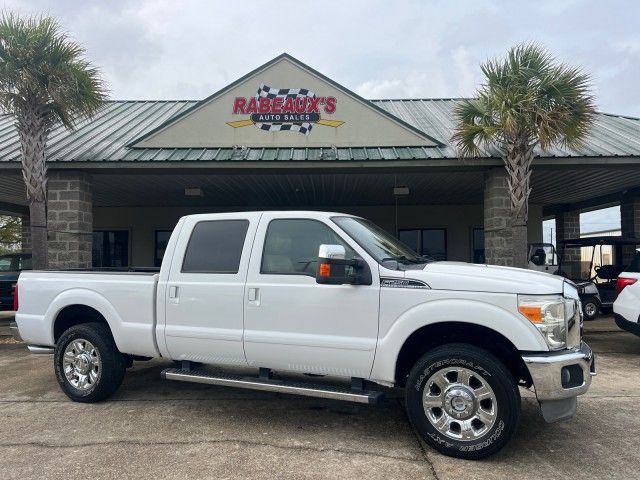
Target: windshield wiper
x=404, y=258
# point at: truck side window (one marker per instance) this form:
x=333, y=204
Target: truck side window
x=291, y=246
x=215, y=247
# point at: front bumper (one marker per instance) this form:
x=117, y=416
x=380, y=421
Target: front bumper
x=559, y=377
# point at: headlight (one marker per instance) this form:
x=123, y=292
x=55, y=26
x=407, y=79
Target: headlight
x=548, y=313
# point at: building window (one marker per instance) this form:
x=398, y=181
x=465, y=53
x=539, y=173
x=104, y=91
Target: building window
x=426, y=241
x=215, y=247
x=110, y=248
x=161, y=240
x=478, y=246
x=411, y=238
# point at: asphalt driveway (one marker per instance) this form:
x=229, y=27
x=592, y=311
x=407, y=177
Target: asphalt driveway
x=160, y=429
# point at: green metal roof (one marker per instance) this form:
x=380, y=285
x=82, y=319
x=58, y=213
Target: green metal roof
x=105, y=137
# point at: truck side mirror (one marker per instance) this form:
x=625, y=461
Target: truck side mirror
x=334, y=269
x=331, y=265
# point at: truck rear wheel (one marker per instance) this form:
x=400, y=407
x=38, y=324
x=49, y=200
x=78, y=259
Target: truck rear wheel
x=463, y=401
x=88, y=365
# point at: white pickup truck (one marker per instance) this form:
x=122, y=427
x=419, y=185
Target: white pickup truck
x=273, y=295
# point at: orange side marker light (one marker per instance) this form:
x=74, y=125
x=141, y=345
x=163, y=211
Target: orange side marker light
x=325, y=270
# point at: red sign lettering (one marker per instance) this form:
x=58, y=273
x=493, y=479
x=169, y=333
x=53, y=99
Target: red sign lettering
x=238, y=105
x=252, y=107
x=276, y=106
x=330, y=106
x=264, y=105
x=312, y=106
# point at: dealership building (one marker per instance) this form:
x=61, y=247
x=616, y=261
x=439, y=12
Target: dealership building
x=285, y=136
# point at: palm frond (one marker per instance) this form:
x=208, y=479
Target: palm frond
x=41, y=66
x=531, y=98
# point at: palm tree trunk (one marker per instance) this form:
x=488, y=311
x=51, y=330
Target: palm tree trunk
x=518, y=165
x=33, y=131
x=39, y=246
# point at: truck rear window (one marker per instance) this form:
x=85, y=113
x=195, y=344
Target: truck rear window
x=215, y=247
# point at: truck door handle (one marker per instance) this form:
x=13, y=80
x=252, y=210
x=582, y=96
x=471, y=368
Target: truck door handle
x=173, y=291
x=253, y=294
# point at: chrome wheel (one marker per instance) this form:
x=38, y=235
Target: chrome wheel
x=459, y=403
x=81, y=364
x=590, y=309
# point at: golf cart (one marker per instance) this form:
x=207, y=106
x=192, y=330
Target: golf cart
x=597, y=283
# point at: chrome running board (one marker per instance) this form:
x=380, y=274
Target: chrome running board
x=271, y=385
x=40, y=350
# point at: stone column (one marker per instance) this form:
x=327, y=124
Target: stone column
x=629, y=224
x=69, y=219
x=25, y=233
x=568, y=226
x=498, y=237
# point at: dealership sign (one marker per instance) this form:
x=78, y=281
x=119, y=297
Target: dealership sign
x=285, y=109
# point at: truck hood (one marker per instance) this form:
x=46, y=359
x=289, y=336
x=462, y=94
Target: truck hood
x=487, y=278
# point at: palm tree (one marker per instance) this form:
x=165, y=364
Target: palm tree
x=528, y=100
x=44, y=80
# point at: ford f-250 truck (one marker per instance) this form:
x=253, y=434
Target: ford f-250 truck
x=289, y=293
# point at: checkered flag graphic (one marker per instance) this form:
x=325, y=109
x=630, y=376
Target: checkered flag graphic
x=266, y=91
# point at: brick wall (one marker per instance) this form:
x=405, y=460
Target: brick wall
x=70, y=219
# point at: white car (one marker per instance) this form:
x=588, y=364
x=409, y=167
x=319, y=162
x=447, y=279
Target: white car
x=290, y=293
x=626, y=308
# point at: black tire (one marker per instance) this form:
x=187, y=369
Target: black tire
x=112, y=363
x=590, y=308
x=484, y=366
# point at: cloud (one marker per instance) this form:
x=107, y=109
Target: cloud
x=169, y=49
x=382, y=88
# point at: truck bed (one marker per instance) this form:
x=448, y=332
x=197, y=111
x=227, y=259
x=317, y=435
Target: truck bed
x=141, y=270
x=125, y=298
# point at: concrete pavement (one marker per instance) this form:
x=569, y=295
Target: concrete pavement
x=160, y=429
x=5, y=319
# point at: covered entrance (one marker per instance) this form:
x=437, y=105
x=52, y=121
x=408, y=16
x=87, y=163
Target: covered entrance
x=285, y=136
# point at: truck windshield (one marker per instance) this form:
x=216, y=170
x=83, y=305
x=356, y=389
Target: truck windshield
x=378, y=242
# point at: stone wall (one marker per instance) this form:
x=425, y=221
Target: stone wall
x=568, y=226
x=25, y=233
x=69, y=219
x=629, y=224
x=498, y=238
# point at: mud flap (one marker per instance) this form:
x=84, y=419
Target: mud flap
x=558, y=410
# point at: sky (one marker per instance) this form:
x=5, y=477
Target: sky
x=171, y=49
x=602, y=220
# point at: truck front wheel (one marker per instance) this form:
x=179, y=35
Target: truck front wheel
x=590, y=308
x=88, y=365
x=463, y=401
